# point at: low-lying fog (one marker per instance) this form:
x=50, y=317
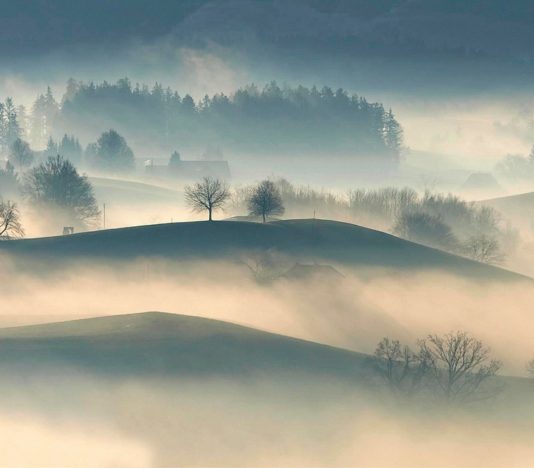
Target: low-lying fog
x=354, y=312
x=214, y=423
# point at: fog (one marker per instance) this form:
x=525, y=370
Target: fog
x=255, y=423
x=354, y=312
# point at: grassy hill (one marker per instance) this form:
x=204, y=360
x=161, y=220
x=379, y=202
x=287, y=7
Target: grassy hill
x=320, y=241
x=517, y=208
x=127, y=191
x=168, y=344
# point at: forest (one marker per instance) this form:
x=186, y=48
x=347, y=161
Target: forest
x=295, y=120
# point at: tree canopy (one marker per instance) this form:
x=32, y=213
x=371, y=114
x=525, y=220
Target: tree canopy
x=111, y=153
x=55, y=184
x=265, y=200
x=252, y=119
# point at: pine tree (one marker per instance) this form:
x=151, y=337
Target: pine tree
x=11, y=129
x=72, y=88
x=22, y=117
x=393, y=134
x=51, y=110
x=70, y=149
x=38, y=131
x=52, y=148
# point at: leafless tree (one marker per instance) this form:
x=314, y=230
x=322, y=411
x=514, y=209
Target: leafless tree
x=530, y=367
x=207, y=195
x=402, y=369
x=265, y=200
x=485, y=249
x=10, y=225
x=460, y=366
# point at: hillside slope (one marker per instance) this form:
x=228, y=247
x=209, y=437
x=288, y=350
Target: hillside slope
x=124, y=191
x=319, y=241
x=517, y=208
x=168, y=344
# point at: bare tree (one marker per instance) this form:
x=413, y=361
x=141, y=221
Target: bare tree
x=460, y=366
x=10, y=225
x=530, y=367
x=402, y=369
x=265, y=200
x=485, y=249
x=207, y=195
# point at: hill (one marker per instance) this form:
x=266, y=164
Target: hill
x=127, y=191
x=517, y=208
x=306, y=241
x=167, y=344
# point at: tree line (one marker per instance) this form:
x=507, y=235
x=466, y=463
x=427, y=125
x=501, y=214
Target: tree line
x=441, y=221
x=253, y=119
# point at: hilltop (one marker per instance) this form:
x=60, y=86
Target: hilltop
x=321, y=241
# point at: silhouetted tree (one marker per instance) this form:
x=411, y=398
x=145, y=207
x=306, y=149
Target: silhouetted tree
x=207, y=195
x=113, y=153
x=56, y=184
x=461, y=367
x=10, y=225
x=265, y=200
x=20, y=154
x=530, y=367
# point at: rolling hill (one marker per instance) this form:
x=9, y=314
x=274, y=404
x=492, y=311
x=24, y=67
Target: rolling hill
x=320, y=241
x=517, y=208
x=124, y=191
x=162, y=344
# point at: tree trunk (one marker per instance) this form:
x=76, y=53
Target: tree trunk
x=209, y=213
x=263, y=214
